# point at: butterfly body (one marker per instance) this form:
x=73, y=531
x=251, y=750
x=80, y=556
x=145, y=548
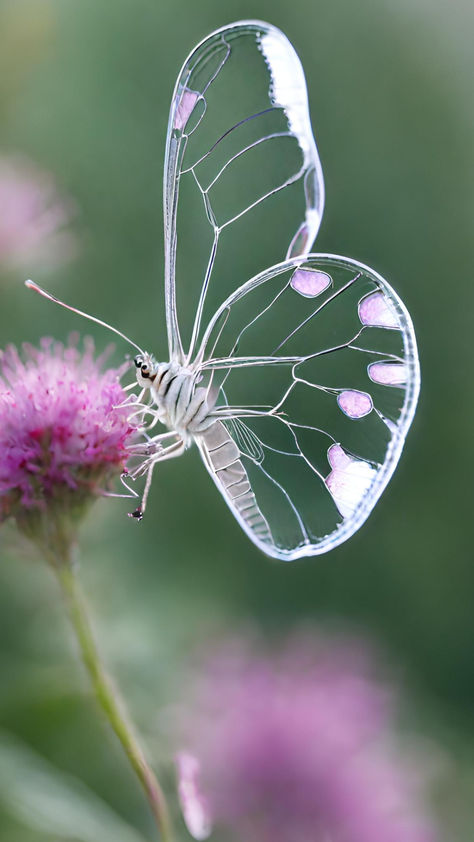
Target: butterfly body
x=186, y=409
x=180, y=403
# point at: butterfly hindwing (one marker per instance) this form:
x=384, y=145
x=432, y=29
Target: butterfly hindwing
x=317, y=359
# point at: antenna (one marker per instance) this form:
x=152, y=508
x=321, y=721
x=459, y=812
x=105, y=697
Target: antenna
x=40, y=291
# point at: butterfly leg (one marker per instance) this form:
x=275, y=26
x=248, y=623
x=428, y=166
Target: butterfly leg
x=175, y=449
x=152, y=446
x=143, y=409
x=152, y=423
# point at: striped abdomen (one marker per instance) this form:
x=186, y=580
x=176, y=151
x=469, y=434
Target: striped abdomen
x=222, y=458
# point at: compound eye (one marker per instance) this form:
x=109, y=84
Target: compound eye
x=145, y=370
x=138, y=360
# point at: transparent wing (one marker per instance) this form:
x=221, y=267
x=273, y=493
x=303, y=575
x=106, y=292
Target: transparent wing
x=241, y=156
x=316, y=365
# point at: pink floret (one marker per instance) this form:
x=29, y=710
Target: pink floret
x=59, y=428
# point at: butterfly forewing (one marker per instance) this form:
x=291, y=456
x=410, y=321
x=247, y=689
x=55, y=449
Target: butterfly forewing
x=317, y=360
x=241, y=156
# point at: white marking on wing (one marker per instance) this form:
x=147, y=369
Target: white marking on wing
x=349, y=480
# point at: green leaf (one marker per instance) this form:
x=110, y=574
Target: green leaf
x=50, y=801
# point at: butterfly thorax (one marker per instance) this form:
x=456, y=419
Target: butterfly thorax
x=181, y=404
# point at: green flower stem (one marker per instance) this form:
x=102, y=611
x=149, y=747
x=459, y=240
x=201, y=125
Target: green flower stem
x=107, y=697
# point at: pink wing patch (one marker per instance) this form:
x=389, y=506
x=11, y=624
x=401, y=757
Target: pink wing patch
x=375, y=311
x=309, y=282
x=184, y=108
x=355, y=404
x=193, y=805
x=388, y=374
x=299, y=242
x=349, y=479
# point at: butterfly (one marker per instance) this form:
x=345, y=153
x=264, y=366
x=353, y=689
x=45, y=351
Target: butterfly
x=297, y=382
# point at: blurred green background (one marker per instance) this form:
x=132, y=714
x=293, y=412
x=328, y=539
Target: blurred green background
x=84, y=92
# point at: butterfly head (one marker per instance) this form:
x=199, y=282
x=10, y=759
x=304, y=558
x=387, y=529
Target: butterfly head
x=146, y=370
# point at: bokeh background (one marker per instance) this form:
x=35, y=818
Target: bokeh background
x=84, y=93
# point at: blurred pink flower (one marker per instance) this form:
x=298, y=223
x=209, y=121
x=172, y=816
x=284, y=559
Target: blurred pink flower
x=33, y=217
x=296, y=747
x=61, y=439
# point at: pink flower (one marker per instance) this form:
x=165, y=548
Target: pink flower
x=61, y=437
x=33, y=217
x=296, y=747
